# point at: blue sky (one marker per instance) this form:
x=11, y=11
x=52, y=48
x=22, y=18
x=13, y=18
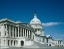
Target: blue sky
x=50, y=13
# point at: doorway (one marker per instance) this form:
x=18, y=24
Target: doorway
x=49, y=44
x=22, y=43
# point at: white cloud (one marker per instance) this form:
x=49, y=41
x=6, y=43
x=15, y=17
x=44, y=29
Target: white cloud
x=59, y=35
x=51, y=23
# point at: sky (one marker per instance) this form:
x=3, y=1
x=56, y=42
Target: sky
x=49, y=12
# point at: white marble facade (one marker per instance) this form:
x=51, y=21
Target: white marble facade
x=13, y=33
x=17, y=34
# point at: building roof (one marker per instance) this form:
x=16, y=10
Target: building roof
x=17, y=23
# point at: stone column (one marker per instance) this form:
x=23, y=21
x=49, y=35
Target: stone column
x=21, y=32
x=27, y=33
x=2, y=30
x=6, y=44
x=31, y=35
x=13, y=31
x=18, y=31
x=10, y=42
x=9, y=31
x=13, y=42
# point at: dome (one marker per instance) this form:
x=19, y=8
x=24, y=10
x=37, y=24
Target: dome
x=35, y=20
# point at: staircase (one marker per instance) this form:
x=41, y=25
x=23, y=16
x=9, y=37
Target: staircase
x=37, y=45
x=41, y=45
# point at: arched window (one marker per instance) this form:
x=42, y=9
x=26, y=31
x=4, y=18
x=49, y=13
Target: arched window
x=49, y=44
x=22, y=43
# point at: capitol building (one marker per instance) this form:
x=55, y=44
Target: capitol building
x=20, y=34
